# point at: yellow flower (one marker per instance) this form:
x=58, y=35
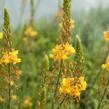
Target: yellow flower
x=5, y=58
x=73, y=86
x=66, y=85
x=11, y=83
x=106, y=65
x=13, y=57
x=2, y=100
x=61, y=25
x=1, y=35
x=33, y=33
x=62, y=52
x=81, y=83
x=106, y=35
x=30, y=32
x=10, y=57
x=103, y=66
x=27, y=102
x=72, y=24
x=14, y=97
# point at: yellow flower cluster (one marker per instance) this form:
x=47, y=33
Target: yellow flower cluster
x=62, y=52
x=14, y=97
x=27, y=102
x=106, y=35
x=73, y=86
x=106, y=65
x=10, y=57
x=30, y=32
x=1, y=35
x=71, y=24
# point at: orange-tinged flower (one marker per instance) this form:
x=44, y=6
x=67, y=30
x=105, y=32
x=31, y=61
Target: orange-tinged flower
x=18, y=73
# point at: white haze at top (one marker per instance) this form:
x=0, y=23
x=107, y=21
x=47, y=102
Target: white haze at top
x=46, y=8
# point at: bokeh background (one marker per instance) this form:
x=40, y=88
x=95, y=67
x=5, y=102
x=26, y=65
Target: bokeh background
x=91, y=20
x=46, y=8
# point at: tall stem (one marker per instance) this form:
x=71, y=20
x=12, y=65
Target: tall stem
x=103, y=95
x=58, y=78
x=8, y=46
x=56, y=87
x=32, y=13
x=9, y=94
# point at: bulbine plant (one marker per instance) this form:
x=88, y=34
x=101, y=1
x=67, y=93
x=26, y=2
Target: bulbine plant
x=56, y=75
x=105, y=68
x=30, y=33
x=10, y=73
x=70, y=81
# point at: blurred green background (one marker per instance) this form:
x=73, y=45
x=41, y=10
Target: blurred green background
x=90, y=26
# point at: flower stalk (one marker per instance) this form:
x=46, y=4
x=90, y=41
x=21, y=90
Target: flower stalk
x=44, y=85
x=57, y=84
x=67, y=23
x=105, y=90
x=32, y=13
x=79, y=55
x=62, y=101
x=8, y=41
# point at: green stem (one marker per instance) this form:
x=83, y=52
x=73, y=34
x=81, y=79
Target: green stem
x=32, y=13
x=95, y=80
x=9, y=87
x=56, y=88
x=62, y=102
x=103, y=95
